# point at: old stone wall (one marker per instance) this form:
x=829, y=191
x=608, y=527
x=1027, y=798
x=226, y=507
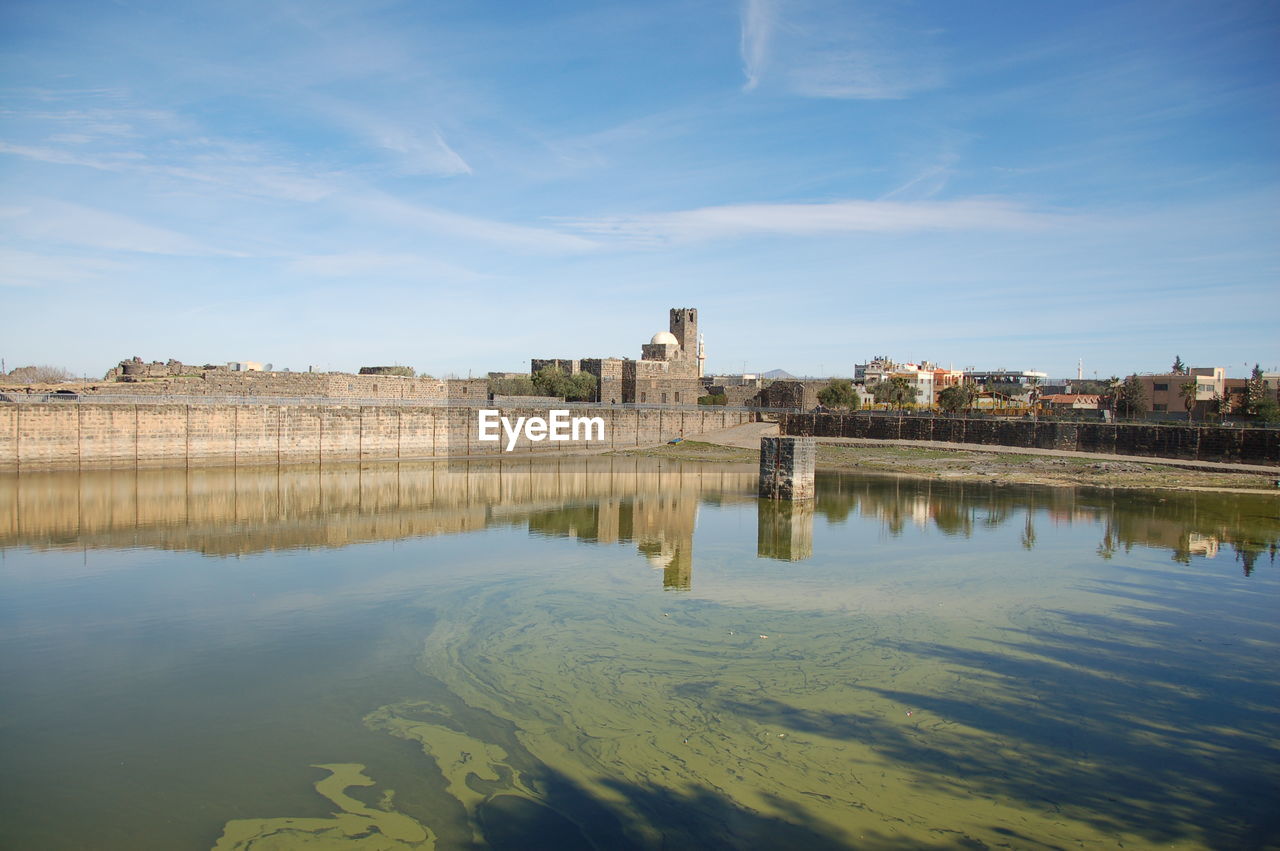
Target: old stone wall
x=1190, y=442
x=799, y=394
x=302, y=385
x=608, y=372
x=65, y=435
x=668, y=391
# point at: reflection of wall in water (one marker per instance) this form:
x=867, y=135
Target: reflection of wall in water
x=241, y=511
x=784, y=529
x=230, y=511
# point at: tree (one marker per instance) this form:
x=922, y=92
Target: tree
x=1179, y=368
x=896, y=391
x=552, y=381
x=519, y=386
x=582, y=387
x=958, y=397
x=1258, y=401
x=1100, y=388
x=1187, y=390
x=42, y=374
x=1033, y=389
x=839, y=393
x=1130, y=398
x=713, y=399
x=1220, y=405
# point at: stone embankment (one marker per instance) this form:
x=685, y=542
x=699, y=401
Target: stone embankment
x=84, y=435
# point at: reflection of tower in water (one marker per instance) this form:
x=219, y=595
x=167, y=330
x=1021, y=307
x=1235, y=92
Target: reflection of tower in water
x=662, y=527
x=784, y=529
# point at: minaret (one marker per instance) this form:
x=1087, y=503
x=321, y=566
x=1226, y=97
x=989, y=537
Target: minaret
x=684, y=325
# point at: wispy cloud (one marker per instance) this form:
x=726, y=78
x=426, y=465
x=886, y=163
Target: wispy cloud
x=741, y=220
x=236, y=169
x=757, y=24
x=830, y=49
x=46, y=221
x=378, y=265
x=451, y=226
x=417, y=144
x=30, y=269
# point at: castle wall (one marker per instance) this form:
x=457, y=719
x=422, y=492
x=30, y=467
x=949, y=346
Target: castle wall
x=301, y=385
x=608, y=372
x=87, y=435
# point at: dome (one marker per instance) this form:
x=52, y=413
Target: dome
x=664, y=338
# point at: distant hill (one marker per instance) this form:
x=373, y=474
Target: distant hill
x=776, y=373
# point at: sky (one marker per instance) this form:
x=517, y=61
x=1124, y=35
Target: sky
x=461, y=186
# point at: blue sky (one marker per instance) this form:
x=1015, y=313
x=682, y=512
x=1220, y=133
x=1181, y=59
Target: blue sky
x=459, y=186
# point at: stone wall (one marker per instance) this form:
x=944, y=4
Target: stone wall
x=786, y=467
x=799, y=394
x=302, y=385
x=1199, y=443
x=66, y=435
x=608, y=373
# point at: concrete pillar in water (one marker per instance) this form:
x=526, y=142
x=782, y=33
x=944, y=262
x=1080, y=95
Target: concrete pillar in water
x=786, y=467
x=784, y=529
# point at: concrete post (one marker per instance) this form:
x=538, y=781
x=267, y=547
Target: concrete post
x=786, y=467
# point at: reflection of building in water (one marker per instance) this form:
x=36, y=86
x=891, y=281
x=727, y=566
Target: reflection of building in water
x=661, y=526
x=784, y=529
x=663, y=530
x=221, y=511
x=1202, y=545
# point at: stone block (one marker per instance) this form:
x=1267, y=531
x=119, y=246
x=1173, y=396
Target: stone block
x=786, y=467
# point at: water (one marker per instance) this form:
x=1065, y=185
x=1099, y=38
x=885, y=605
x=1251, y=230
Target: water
x=625, y=653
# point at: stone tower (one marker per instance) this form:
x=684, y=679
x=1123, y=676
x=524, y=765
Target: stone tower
x=684, y=325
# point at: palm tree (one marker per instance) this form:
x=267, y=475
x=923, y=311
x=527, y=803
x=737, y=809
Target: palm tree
x=1187, y=390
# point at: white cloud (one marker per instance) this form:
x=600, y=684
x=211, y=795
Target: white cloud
x=418, y=147
x=833, y=49
x=757, y=24
x=421, y=153
x=29, y=269
x=73, y=224
x=376, y=265
x=442, y=223
x=739, y=220
x=236, y=169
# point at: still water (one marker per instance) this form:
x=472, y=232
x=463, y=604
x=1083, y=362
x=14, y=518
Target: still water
x=626, y=653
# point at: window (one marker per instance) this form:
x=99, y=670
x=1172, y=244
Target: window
x=677, y=398
x=1159, y=406
x=1159, y=387
x=664, y=398
x=644, y=397
x=1204, y=388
